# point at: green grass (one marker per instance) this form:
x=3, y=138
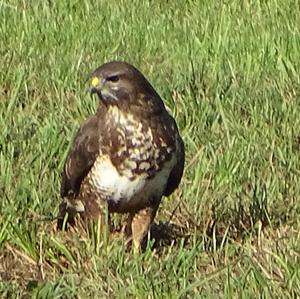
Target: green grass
x=229, y=71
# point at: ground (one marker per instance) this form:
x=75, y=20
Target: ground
x=229, y=72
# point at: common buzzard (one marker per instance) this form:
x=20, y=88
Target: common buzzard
x=125, y=157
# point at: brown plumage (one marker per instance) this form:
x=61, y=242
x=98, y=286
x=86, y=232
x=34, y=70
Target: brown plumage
x=125, y=157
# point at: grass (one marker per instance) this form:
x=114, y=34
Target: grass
x=230, y=74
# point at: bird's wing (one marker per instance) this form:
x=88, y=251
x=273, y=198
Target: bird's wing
x=177, y=171
x=81, y=157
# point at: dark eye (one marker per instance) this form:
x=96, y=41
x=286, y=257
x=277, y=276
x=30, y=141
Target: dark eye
x=113, y=78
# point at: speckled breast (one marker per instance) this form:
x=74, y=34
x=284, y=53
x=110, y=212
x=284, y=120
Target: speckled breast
x=134, y=164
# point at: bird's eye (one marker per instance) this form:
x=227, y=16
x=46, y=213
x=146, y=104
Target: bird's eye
x=113, y=78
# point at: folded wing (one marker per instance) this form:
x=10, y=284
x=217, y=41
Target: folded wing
x=177, y=171
x=81, y=157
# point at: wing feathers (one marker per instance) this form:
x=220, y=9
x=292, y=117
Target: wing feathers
x=81, y=157
x=176, y=173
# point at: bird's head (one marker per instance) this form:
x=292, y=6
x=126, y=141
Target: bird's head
x=121, y=84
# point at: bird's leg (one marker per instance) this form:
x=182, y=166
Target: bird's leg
x=96, y=211
x=98, y=228
x=140, y=225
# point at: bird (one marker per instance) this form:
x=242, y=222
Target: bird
x=125, y=157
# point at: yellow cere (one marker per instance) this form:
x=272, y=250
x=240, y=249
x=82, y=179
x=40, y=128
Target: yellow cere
x=95, y=82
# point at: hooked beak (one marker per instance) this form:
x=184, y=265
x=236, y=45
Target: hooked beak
x=104, y=94
x=96, y=85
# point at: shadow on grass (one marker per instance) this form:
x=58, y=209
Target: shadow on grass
x=165, y=234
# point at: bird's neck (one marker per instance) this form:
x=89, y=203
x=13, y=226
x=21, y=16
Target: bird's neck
x=112, y=114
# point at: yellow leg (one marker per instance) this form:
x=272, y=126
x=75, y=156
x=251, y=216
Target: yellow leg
x=140, y=225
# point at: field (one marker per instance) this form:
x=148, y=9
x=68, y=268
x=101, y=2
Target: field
x=229, y=72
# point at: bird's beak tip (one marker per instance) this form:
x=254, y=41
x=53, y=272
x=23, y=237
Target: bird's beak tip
x=93, y=90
